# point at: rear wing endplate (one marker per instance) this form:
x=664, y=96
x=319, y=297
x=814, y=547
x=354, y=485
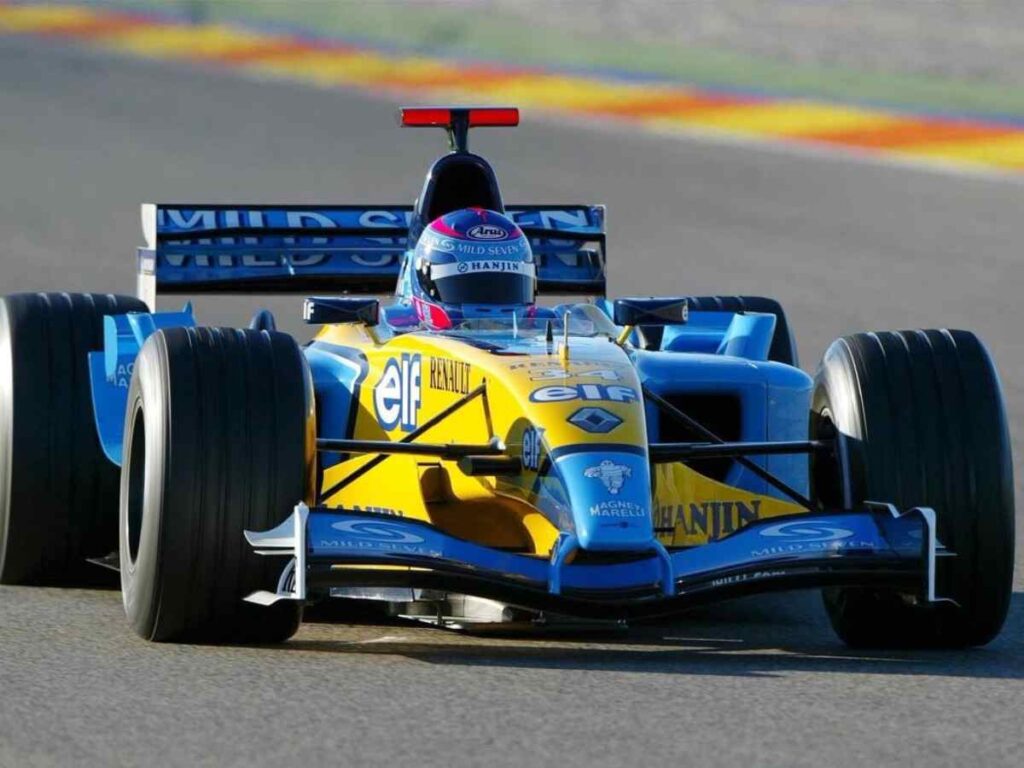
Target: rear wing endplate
x=229, y=249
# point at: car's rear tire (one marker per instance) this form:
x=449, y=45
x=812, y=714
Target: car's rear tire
x=218, y=439
x=58, y=492
x=924, y=422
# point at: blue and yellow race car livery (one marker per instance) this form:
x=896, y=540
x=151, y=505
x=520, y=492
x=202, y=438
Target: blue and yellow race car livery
x=579, y=457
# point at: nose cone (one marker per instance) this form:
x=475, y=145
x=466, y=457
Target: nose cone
x=610, y=496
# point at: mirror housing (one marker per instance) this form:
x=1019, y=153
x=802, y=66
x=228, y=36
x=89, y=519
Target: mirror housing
x=325, y=310
x=672, y=310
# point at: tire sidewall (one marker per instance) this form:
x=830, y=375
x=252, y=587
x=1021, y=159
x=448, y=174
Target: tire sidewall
x=146, y=401
x=837, y=376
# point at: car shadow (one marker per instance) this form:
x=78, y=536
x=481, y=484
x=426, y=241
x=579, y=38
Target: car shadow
x=763, y=636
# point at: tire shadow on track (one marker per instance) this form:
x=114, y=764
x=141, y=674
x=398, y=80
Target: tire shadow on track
x=748, y=638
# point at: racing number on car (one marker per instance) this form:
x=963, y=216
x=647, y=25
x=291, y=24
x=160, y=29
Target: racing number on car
x=559, y=373
x=396, y=398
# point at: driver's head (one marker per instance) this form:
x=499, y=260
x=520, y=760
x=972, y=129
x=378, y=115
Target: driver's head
x=472, y=262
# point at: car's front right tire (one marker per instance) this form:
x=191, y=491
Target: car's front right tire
x=217, y=440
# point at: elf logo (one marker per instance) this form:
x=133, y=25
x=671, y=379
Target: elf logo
x=396, y=398
x=533, y=447
x=599, y=392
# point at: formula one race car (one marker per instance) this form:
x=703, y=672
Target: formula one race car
x=467, y=454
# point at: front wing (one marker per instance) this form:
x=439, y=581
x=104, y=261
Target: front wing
x=336, y=548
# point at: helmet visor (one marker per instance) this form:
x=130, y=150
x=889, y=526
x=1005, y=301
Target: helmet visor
x=486, y=288
x=484, y=282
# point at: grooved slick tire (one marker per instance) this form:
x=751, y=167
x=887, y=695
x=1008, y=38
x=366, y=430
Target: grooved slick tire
x=925, y=425
x=218, y=439
x=58, y=492
x=783, y=346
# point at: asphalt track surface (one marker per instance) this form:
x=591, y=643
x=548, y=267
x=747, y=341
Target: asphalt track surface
x=846, y=246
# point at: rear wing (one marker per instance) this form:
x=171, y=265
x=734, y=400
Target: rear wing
x=227, y=249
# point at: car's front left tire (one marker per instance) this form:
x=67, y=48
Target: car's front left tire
x=218, y=440
x=922, y=417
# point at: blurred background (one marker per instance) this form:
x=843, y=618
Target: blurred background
x=940, y=54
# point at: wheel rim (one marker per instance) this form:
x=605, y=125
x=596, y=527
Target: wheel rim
x=6, y=425
x=827, y=481
x=136, y=485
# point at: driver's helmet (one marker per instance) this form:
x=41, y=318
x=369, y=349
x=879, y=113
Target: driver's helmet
x=471, y=263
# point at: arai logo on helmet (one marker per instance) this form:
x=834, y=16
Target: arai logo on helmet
x=806, y=532
x=486, y=232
